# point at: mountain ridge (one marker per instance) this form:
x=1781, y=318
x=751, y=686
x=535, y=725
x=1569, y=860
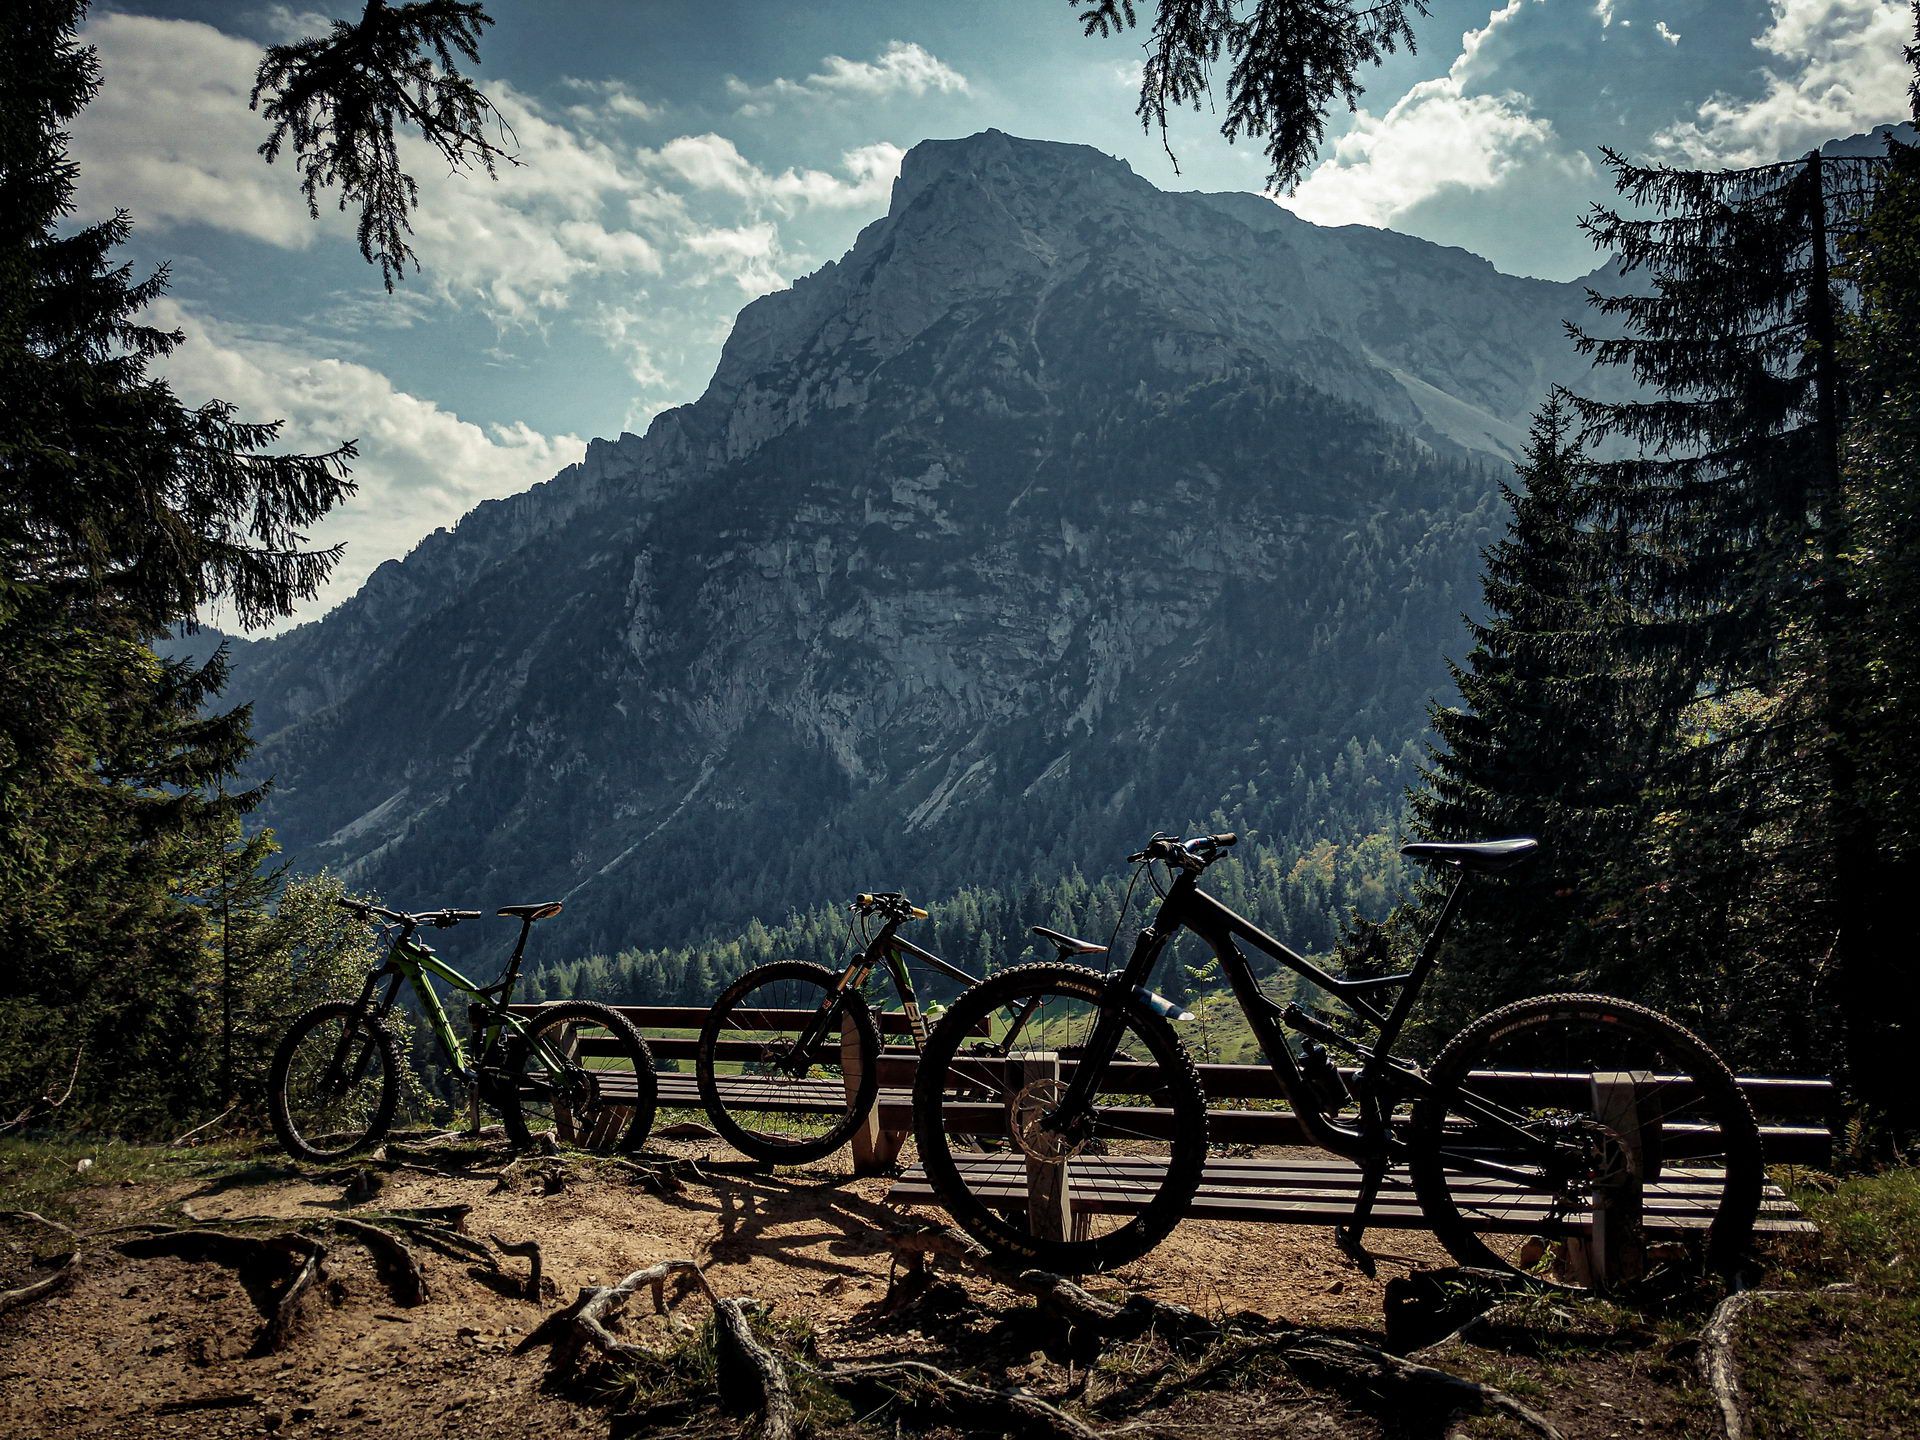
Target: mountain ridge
x=918, y=556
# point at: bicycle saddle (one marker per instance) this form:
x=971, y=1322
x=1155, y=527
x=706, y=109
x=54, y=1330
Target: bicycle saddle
x=1067, y=944
x=530, y=912
x=1473, y=855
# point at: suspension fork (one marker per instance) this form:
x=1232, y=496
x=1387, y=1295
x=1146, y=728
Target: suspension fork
x=365, y=1017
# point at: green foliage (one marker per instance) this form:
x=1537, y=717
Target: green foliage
x=122, y=514
x=339, y=99
x=1288, y=61
x=1695, y=678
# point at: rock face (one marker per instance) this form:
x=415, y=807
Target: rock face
x=1059, y=509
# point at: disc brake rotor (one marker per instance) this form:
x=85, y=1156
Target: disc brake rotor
x=1039, y=1140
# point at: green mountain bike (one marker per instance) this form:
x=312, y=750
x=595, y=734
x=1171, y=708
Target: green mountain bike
x=577, y=1071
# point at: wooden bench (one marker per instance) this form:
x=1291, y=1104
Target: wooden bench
x=1247, y=1111
x=874, y=1148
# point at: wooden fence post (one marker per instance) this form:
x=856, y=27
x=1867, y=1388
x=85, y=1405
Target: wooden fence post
x=1615, y=1248
x=874, y=1149
x=1049, y=1190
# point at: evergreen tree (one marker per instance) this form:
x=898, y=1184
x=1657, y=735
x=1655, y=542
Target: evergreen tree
x=1732, y=567
x=122, y=513
x=1882, y=460
x=1547, y=742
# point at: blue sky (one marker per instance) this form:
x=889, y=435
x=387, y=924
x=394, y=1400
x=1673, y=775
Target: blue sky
x=682, y=158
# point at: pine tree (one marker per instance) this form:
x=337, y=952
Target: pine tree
x=1881, y=461
x=1286, y=60
x=1545, y=743
x=122, y=513
x=1732, y=509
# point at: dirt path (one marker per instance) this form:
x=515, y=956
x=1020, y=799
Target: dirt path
x=160, y=1346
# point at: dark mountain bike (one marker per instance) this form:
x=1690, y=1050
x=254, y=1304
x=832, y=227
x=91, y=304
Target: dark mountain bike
x=577, y=1071
x=1525, y=1120
x=789, y=1059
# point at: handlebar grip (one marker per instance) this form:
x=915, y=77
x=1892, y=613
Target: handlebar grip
x=1225, y=839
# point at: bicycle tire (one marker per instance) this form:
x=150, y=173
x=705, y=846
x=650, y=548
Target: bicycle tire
x=1716, y=1113
x=1176, y=1089
x=280, y=1082
x=588, y=1100
x=774, y=1149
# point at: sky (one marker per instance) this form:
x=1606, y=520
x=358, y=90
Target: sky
x=680, y=159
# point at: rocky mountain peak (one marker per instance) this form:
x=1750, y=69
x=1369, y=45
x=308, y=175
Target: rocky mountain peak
x=1053, y=509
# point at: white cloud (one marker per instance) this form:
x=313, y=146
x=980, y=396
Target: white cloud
x=610, y=99
x=713, y=162
x=624, y=327
x=901, y=68
x=1604, y=9
x=517, y=245
x=200, y=166
x=1440, y=136
x=1839, y=71
x=1660, y=28
x=749, y=255
x=283, y=22
x=420, y=467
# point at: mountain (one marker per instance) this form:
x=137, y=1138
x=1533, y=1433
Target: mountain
x=1059, y=509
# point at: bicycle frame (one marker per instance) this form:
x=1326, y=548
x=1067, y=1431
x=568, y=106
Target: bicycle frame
x=1186, y=906
x=410, y=963
x=892, y=949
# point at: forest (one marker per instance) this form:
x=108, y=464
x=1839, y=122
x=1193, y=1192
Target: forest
x=1693, y=668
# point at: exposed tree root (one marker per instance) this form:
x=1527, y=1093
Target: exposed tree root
x=392, y=1260
x=581, y=1326
x=1095, y=1318
x=1716, y=1362
x=68, y=1267
x=1322, y=1360
x=746, y=1367
x=277, y=1271
x=919, y=1387
x=529, y=1250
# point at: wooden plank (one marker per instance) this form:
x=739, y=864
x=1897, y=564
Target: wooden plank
x=999, y=1181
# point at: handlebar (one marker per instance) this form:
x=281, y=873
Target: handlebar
x=890, y=903
x=439, y=919
x=1194, y=853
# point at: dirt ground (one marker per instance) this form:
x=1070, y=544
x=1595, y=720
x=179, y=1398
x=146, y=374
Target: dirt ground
x=160, y=1346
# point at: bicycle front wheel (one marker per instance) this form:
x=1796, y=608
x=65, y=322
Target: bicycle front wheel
x=334, y=1084
x=1551, y=1117
x=1070, y=1192
x=583, y=1076
x=770, y=1094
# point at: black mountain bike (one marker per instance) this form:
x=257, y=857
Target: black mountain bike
x=1513, y=1132
x=789, y=1059
x=577, y=1071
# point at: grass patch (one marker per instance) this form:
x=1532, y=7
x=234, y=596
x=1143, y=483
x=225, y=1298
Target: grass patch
x=53, y=1175
x=1825, y=1364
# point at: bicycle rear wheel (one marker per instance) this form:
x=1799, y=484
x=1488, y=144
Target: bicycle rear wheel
x=769, y=1097
x=582, y=1075
x=1092, y=1191
x=1552, y=1115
